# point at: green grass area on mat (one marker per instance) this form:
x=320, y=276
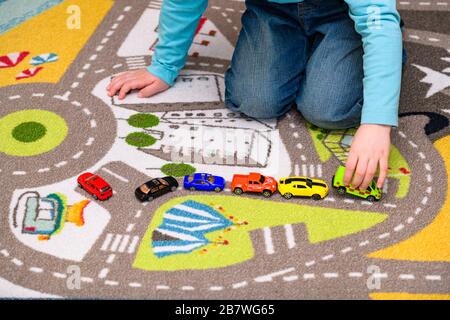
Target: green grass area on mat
x=31, y=132
x=177, y=169
x=143, y=120
x=140, y=139
x=322, y=224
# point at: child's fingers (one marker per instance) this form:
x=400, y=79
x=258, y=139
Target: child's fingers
x=127, y=87
x=383, y=172
x=370, y=173
x=360, y=172
x=149, y=90
x=114, y=80
x=118, y=84
x=350, y=168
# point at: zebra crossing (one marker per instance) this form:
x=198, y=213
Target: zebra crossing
x=280, y=238
x=311, y=170
x=120, y=243
x=155, y=4
x=137, y=62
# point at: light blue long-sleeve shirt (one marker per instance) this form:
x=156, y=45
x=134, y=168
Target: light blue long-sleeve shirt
x=377, y=21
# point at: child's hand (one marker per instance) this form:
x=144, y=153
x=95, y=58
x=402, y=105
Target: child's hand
x=148, y=84
x=370, y=150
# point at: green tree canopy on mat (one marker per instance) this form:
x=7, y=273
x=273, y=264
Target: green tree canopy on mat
x=177, y=169
x=143, y=120
x=140, y=139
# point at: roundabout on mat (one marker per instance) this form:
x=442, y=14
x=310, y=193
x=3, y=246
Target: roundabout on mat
x=31, y=132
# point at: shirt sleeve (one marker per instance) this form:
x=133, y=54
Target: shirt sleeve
x=378, y=22
x=178, y=22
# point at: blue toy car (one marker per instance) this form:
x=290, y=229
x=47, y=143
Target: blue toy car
x=204, y=182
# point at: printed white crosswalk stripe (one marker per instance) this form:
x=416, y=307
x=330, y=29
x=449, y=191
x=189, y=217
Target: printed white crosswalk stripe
x=289, y=236
x=319, y=171
x=304, y=170
x=106, y=242
x=268, y=241
x=133, y=244
x=311, y=170
x=116, y=242
x=124, y=243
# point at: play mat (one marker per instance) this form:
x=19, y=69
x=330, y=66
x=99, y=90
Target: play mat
x=56, y=122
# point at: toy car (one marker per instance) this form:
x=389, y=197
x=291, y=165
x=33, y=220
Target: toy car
x=302, y=187
x=253, y=182
x=156, y=188
x=204, y=182
x=371, y=194
x=95, y=185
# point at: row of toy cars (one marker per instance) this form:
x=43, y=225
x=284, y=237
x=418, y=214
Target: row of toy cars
x=299, y=186
x=288, y=187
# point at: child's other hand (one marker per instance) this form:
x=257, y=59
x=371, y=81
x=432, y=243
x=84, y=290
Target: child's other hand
x=369, y=150
x=148, y=84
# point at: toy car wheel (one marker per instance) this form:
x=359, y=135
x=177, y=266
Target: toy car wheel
x=287, y=195
x=192, y=188
x=238, y=191
x=80, y=186
x=173, y=188
x=267, y=193
x=371, y=198
x=316, y=197
x=150, y=199
x=95, y=197
x=217, y=189
x=341, y=190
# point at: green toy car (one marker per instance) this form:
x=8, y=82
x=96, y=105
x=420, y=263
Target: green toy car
x=372, y=193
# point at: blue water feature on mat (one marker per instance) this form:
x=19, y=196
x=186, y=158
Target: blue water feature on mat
x=14, y=12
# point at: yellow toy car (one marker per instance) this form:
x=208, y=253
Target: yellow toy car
x=302, y=187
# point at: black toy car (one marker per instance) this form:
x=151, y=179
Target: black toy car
x=155, y=188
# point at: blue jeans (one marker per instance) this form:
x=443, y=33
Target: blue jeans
x=307, y=54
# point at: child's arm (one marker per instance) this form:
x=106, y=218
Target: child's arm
x=177, y=25
x=378, y=22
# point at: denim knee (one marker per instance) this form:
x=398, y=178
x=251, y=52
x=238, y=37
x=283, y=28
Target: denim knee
x=255, y=99
x=263, y=106
x=332, y=116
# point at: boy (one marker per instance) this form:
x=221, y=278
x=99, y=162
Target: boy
x=338, y=61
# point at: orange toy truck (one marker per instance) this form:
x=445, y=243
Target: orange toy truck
x=253, y=182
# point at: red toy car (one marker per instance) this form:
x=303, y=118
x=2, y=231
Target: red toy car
x=253, y=182
x=95, y=185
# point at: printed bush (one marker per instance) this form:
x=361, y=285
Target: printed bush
x=140, y=139
x=177, y=169
x=143, y=120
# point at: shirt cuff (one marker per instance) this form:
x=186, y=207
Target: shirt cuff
x=383, y=118
x=158, y=70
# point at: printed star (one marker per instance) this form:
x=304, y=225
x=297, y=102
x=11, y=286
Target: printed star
x=438, y=80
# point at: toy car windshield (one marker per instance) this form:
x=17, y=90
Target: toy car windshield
x=162, y=181
x=144, y=188
x=262, y=179
x=93, y=177
x=105, y=189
